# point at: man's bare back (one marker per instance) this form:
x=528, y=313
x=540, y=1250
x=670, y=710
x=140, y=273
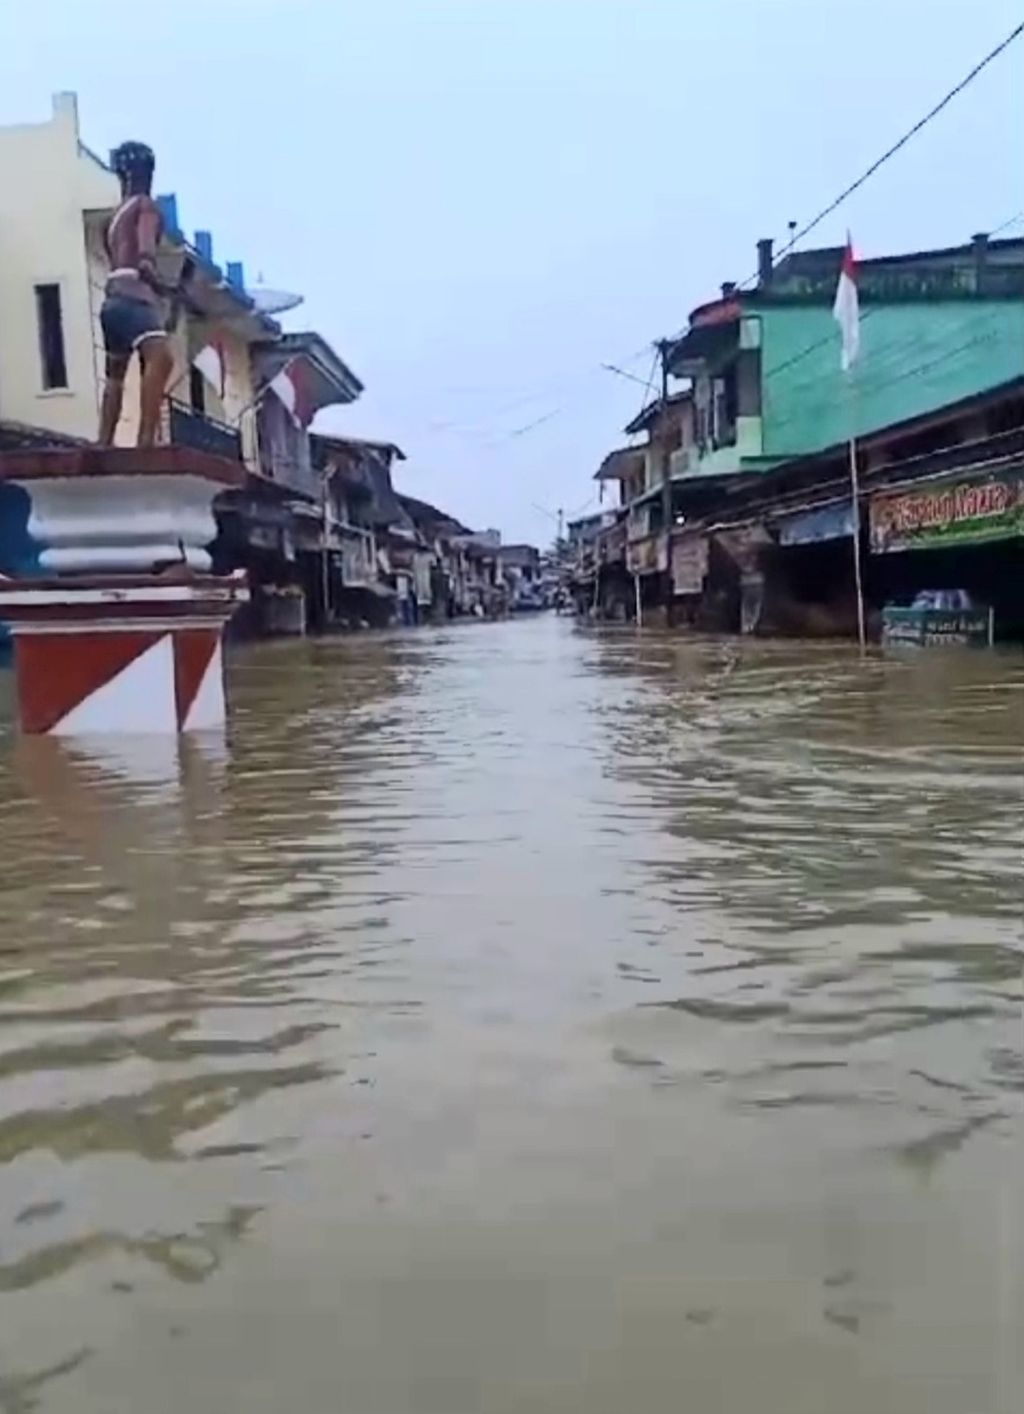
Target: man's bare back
x=132, y=315
x=132, y=237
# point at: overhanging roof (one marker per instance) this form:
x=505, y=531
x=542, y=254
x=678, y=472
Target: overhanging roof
x=623, y=462
x=422, y=512
x=330, y=380
x=329, y=442
x=714, y=336
x=648, y=415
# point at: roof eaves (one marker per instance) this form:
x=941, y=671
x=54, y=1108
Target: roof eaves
x=320, y=352
x=647, y=414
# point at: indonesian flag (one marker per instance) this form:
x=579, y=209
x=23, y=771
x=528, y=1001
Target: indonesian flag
x=289, y=384
x=210, y=362
x=846, y=310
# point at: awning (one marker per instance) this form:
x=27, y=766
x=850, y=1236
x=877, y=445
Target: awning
x=831, y=522
x=623, y=462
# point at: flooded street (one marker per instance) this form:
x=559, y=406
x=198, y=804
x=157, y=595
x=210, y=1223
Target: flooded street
x=512, y=1019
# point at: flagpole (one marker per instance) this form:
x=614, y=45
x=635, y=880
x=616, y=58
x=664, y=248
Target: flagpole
x=855, y=504
x=846, y=312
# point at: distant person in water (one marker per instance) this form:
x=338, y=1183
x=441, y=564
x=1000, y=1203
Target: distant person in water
x=132, y=314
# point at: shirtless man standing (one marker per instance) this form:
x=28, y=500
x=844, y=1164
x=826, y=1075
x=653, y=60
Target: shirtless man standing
x=132, y=315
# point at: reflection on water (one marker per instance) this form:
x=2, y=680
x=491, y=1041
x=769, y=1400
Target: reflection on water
x=510, y=1018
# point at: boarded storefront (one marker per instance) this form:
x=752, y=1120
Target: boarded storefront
x=744, y=546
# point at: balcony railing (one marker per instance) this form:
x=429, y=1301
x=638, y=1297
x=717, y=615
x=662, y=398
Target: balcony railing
x=188, y=428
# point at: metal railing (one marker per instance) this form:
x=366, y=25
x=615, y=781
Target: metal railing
x=188, y=428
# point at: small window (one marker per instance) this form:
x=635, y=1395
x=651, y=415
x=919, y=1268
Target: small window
x=51, y=336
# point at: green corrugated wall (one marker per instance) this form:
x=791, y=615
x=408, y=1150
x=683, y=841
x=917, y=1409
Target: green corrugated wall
x=914, y=358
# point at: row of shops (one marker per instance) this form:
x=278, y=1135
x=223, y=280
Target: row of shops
x=718, y=529
x=356, y=553
x=929, y=533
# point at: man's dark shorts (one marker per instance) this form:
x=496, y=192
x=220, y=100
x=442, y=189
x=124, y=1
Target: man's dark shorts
x=127, y=322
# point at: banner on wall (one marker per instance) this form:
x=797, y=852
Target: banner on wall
x=689, y=563
x=958, y=510
x=647, y=556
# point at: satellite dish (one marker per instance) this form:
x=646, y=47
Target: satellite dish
x=269, y=301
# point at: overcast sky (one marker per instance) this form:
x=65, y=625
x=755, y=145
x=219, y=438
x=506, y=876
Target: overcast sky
x=483, y=200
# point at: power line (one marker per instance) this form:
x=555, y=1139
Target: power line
x=837, y=201
x=560, y=408
x=527, y=427
x=1007, y=224
x=650, y=380
x=879, y=162
x=816, y=221
x=828, y=338
x=614, y=368
x=818, y=398
x=899, y=143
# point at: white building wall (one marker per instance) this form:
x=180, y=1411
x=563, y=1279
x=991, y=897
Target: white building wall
x=47, y=181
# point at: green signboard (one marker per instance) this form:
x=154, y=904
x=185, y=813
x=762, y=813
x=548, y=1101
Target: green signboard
x=936, y=626
x=965, y=510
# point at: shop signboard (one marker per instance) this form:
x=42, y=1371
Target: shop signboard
x=954, y=511
x=648, y=556
x=689, y=563
x=919, y=627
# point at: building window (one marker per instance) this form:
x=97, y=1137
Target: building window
x=51, y=337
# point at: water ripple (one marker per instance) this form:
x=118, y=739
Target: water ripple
x=526, y=994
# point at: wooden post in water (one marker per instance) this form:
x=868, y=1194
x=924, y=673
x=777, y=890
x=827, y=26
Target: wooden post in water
x=639, y=603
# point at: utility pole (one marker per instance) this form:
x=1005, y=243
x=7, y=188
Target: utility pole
x=325, y=565
x=665, y=460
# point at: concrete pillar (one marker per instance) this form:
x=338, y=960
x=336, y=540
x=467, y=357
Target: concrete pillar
x=118, y=628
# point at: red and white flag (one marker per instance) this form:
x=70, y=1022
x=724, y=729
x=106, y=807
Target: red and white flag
x=290, y=385
x=210, y=362
x=846, y=310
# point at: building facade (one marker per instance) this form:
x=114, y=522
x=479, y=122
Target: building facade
x=754, y=528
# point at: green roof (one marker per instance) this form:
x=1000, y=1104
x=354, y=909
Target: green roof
x=915, y=358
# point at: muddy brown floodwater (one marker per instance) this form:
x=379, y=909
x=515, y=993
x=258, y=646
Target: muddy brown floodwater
x=516, y=1019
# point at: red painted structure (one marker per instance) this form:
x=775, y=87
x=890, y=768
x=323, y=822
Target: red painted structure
x=127, y=652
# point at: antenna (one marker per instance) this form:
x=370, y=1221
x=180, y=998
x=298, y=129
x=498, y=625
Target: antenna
x=270, y=301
